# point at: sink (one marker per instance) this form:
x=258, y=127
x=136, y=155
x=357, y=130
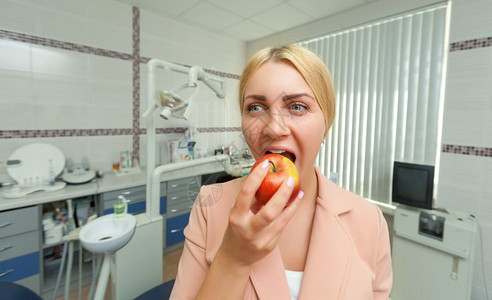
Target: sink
x=107, y=234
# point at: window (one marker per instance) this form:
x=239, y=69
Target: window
x=387, y=76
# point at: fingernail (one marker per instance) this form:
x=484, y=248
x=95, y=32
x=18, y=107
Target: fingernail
x=290, y=181
x=300, y=194
x=265, y=164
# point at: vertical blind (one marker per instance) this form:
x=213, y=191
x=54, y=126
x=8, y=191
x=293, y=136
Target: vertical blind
x=387, y=76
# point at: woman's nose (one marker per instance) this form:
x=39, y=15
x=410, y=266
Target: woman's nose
x=277, y=124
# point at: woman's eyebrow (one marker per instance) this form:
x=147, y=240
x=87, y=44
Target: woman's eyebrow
x=284, y=97
x=256, y=97
x=295, y=96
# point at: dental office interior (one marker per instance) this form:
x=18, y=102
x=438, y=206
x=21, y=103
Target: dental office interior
x=115, y=112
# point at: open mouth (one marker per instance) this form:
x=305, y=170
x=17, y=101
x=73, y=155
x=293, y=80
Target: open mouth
x=287, y=154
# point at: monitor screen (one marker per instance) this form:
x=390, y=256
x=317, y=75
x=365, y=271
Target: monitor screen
x=413, y=184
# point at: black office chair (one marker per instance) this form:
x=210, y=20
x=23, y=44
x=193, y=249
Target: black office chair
x=14, y=291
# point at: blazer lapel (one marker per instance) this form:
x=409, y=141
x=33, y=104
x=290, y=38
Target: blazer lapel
x=330, y=248
x=268, y=277
x=329, y=254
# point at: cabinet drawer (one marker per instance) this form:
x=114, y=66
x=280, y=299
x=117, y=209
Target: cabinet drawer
x=189, y=183
x=20, y=244
x=181, y=196
x=174, y=229
x=193, y=193
x=130, y=194
x=134, y=207
x=18, y=221
x=19, y=267
x=179, y=209
x=136, y=196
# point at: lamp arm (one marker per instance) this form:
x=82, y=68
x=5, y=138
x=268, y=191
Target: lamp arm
x=149, y=111
x=197, y=73
x=219, y=91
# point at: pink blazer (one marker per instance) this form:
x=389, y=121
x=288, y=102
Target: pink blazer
x=348, y=256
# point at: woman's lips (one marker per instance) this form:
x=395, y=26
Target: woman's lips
x=285, y=153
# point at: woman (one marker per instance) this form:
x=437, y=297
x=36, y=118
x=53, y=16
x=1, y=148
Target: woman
x=326, y=244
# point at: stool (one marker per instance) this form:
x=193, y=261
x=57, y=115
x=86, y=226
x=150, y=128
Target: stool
x=14, y=291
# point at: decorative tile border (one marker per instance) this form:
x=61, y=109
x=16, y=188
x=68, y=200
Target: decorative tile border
x=54, y=133
x=180, y=130
x=467, y=150
x=48, y=133
x=219, y=129
x=471, y=44
x=136, y=80
x=42, y=41
x=145, y=60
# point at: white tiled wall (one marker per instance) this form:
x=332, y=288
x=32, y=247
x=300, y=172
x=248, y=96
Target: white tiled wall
x=48, y=88
x=470, y=20
x=180, y=43
x=59, y=88
x=465, y=180
x=460, y=189
x=467, y=111
x=100, y=150
x=101, y=24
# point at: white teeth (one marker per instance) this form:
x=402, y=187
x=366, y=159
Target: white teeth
x=277, y=151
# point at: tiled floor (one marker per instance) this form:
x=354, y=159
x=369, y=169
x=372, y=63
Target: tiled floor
x=169, y=270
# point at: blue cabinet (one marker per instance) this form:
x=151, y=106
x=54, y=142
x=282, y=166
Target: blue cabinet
x=20, y=246
x=174, y=229
x=19, y=267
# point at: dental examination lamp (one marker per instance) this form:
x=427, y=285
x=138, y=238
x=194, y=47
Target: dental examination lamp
x=169, y=101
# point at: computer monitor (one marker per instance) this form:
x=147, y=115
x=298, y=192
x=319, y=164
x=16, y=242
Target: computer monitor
x=413, y=184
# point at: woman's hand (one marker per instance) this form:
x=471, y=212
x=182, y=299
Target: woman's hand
x=254, y=230
x=249, y=237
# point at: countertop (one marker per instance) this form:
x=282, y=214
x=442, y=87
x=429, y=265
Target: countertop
x=108, y=182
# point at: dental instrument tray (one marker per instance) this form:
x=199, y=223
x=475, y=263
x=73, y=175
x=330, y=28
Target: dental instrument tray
x=78, y=173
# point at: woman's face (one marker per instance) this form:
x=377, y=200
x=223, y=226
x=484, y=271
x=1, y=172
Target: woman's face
x=280, y=114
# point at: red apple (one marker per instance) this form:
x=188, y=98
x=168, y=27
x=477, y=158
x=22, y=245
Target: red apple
x=280, y=169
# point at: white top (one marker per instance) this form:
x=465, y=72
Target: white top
x=294, y=279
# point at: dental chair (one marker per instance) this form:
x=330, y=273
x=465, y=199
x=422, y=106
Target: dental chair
x=14, y=291
x=162, y=291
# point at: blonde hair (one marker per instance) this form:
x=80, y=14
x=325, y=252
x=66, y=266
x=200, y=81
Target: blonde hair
x=308, y=64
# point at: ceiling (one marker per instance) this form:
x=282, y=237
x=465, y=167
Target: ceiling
x=246, y=20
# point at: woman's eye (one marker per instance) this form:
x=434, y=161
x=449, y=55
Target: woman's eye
x=254, y=108
x=298, y=107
